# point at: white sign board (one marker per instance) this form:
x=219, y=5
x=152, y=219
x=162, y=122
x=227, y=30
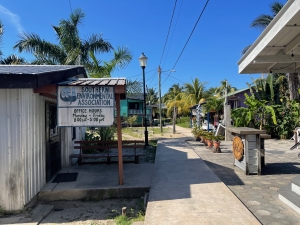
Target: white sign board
x=85, y=106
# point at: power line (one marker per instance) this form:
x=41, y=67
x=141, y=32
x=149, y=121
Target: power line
x=175, y=78
x=168, y=31
x=152, y=76
x=141, y=74
x=70, y=6
x=173, y=32
x=189, y=37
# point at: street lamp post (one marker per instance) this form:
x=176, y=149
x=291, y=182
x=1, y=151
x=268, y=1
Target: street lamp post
x=143, y=63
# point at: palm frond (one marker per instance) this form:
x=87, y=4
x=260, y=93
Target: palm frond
x=96, y=44
x=13, y=60
x=276, y=7
x=262, y=21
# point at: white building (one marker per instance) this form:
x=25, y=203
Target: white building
x=32, y=148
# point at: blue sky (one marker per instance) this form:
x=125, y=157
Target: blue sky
x=211, y=55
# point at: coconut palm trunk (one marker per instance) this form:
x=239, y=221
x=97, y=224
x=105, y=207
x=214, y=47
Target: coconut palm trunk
x=294, y=85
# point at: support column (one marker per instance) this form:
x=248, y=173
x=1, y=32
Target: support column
x=119, y=132
x=227, y=122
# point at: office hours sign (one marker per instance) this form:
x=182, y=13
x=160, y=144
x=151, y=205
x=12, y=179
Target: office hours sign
x=85, y=106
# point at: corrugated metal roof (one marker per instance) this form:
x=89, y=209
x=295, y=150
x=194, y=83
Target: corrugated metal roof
x=36, y=76
x=36, y=69
x=236, y=92
x=94, y=82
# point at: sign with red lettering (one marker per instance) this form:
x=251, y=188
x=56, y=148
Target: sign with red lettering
x=85, y=106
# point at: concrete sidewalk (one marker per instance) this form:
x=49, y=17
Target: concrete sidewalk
x=100, y=182
x=185, y=191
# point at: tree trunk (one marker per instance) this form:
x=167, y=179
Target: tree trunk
x=294, y=85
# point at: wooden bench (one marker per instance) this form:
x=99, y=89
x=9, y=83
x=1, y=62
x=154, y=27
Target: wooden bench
x=105, y=147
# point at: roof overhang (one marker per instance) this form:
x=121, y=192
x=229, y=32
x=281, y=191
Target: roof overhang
x=273, y=49
x=37, y=76
x=119, y=84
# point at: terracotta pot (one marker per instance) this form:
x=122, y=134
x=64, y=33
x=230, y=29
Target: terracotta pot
x=217, y=144
x=209, y=143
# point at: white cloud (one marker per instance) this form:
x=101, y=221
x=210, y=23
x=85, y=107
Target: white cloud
x=12, y=17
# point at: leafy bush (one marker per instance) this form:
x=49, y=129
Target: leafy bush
x=131, y=120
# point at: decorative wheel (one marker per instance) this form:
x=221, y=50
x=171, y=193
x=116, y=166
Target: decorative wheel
x=238, y=148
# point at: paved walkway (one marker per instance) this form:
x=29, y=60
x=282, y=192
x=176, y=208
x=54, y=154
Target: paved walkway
x=184, y=190
x=258, y=193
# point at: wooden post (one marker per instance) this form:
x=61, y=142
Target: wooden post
x=119, y=131
x=227, y=122
x=124, y=211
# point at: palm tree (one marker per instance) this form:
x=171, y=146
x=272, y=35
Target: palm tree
x=122, y=57
x=152, y=96
x=220, y=91
x=13, y=60
x=172, y=99
x=210, y=92
x=71, y=50
x=175, y=103
x=262, y=21
x=193, y=92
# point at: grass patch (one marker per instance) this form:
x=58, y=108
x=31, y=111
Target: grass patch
x=183, y=122
x=133, y=214
x=138, y=132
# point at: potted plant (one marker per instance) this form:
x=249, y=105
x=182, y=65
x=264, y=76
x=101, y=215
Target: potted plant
x=210, y=140
x=197, y=133
x=204, y=136
x=217, y=141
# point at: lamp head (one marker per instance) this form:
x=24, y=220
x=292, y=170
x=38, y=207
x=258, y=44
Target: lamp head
x=143, y=60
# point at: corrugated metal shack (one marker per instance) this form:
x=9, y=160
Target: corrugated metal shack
x=32, y=148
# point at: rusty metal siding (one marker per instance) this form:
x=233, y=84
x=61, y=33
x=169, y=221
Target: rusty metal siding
x=22, y=147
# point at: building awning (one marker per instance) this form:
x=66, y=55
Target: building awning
x=277, y=48
x=118, y=83
x=37, y=76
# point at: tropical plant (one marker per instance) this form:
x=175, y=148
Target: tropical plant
x=255, y=115
x=283, y=88
x=218, y=138
x=210, y=92
x=152, y=96
x=71, y=50
x=263, y=88
x=262, y=21
x=287, y=116
x=175, y=104
x=133, y=87
x=98, y=69
x=131, y=120
x=193, y=92
x=12, y=60
x=220, y=91
x=213, y=104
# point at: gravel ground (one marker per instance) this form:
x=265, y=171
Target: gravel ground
x=86, y=212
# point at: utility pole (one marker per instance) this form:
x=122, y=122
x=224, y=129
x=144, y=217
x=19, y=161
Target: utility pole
x=174, y=119
x=159, y=96
x=174, y=114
